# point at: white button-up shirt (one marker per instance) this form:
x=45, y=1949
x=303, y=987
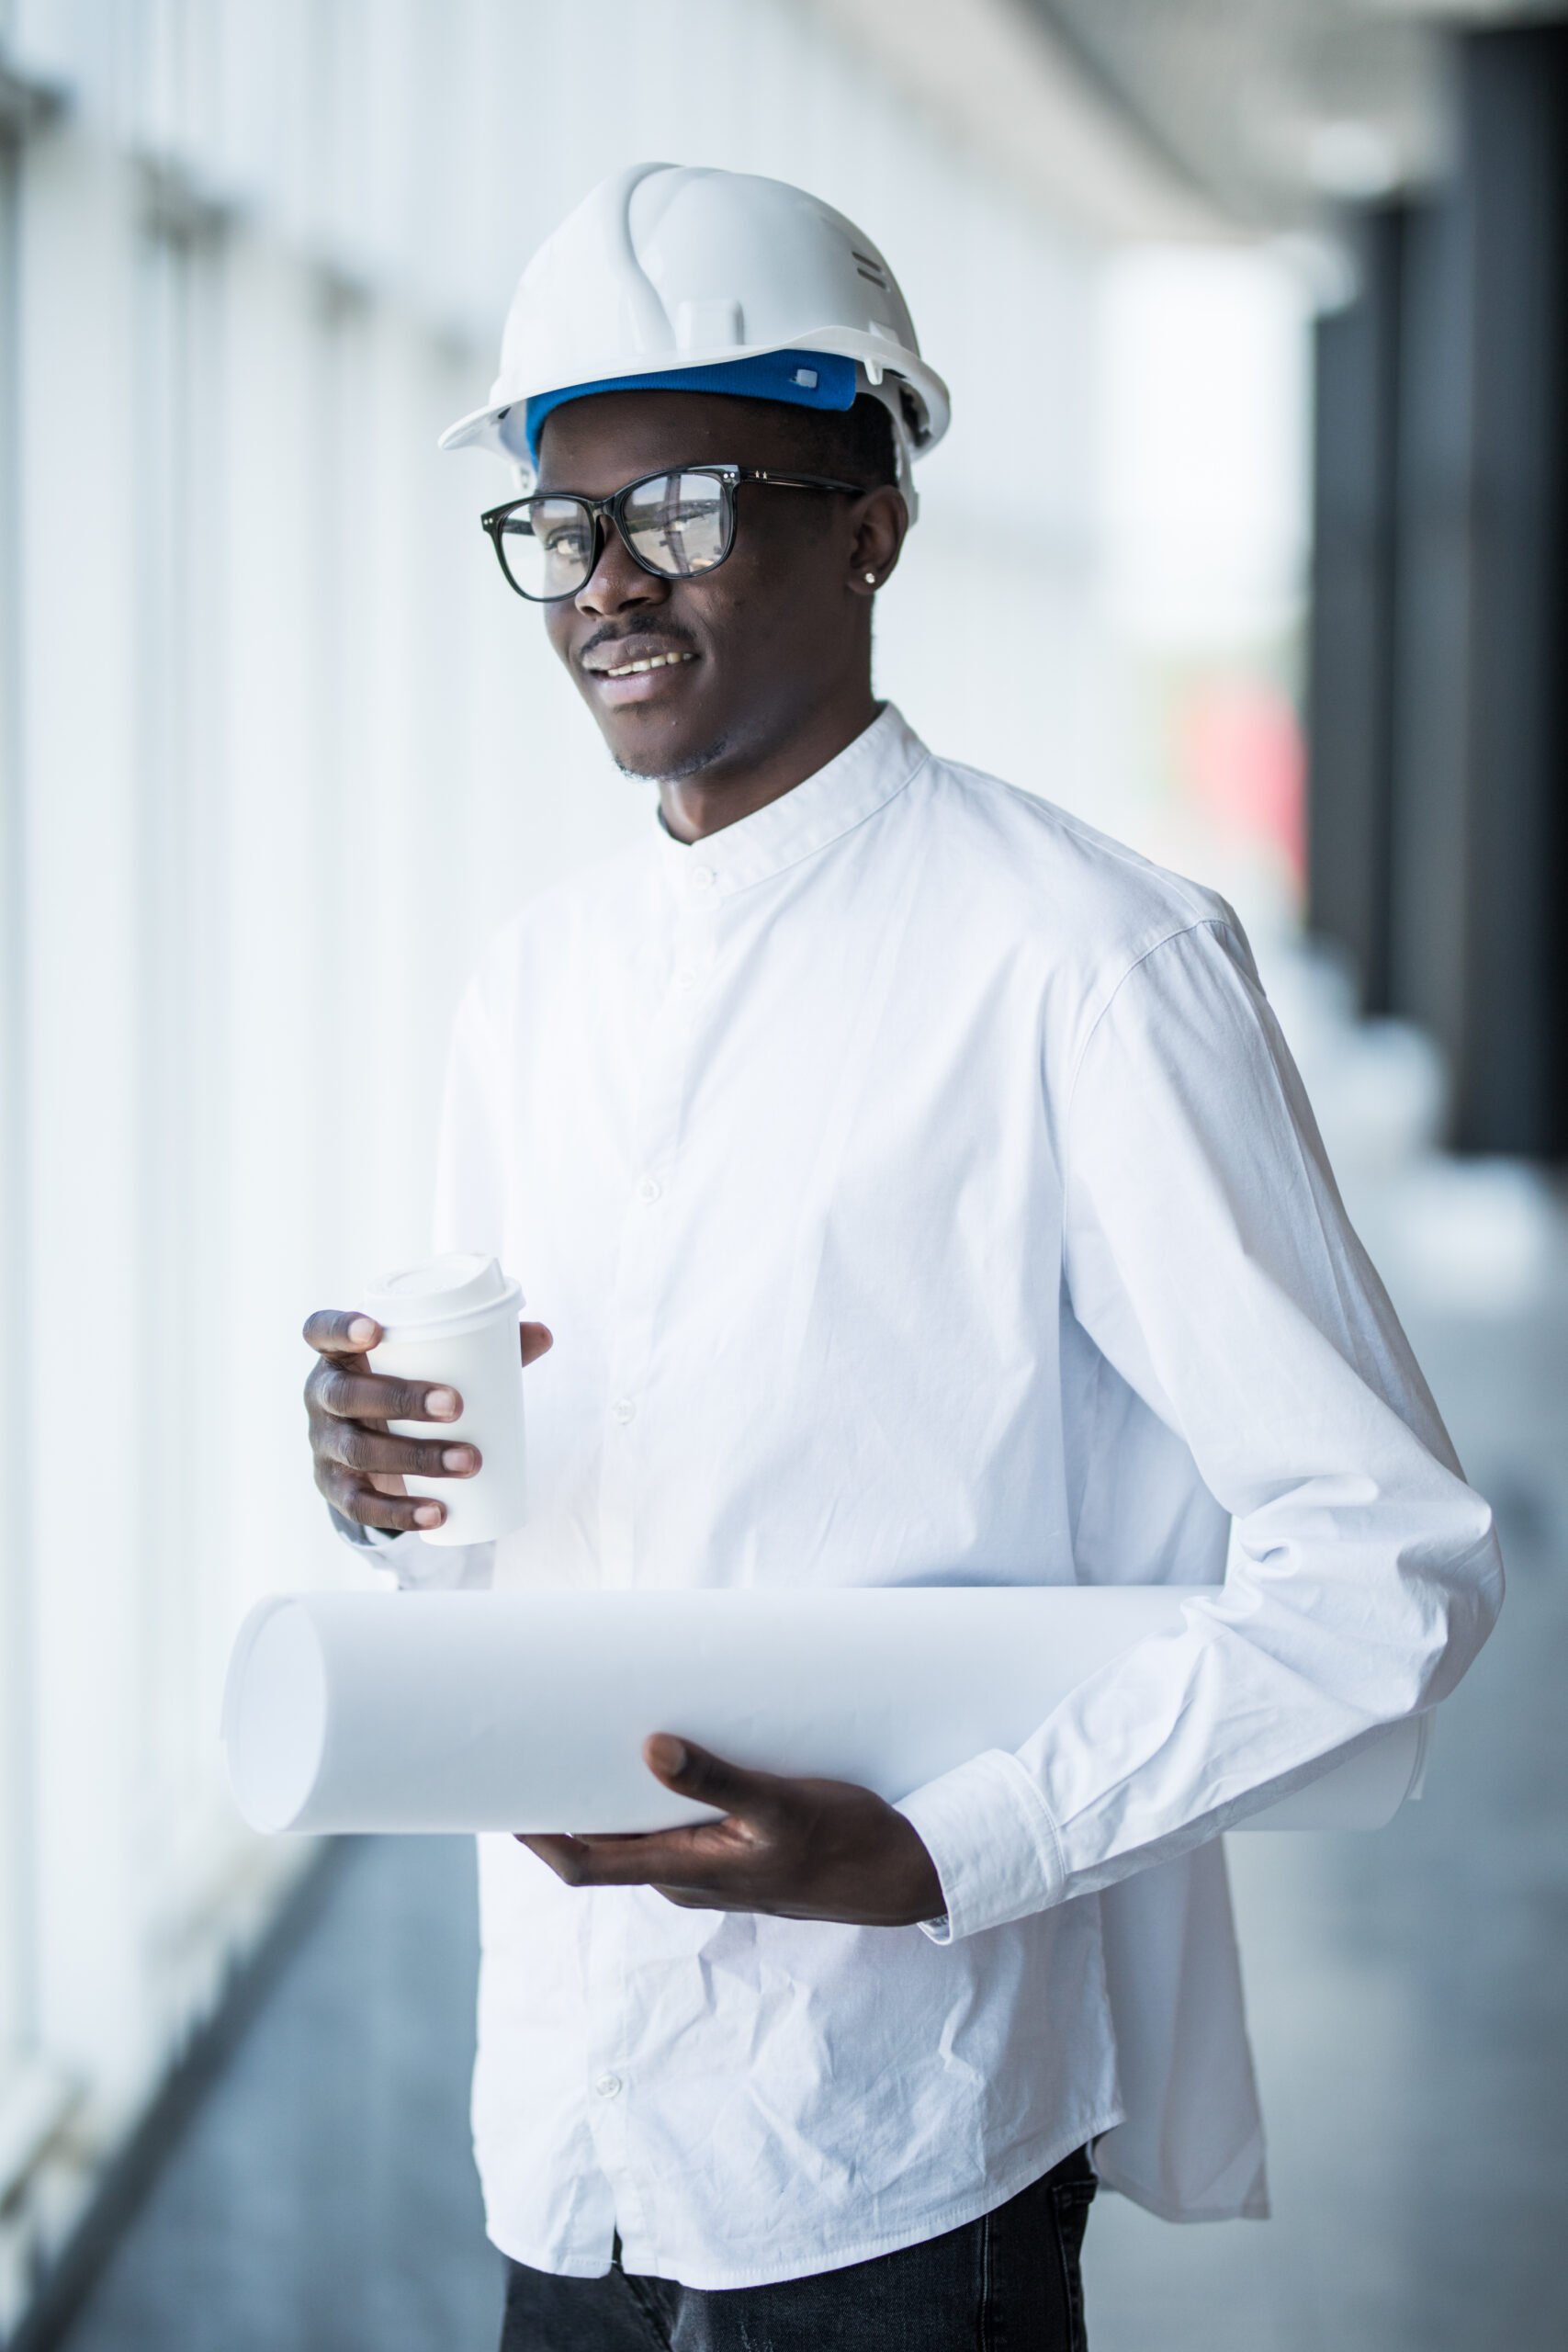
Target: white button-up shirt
x=920, y=1191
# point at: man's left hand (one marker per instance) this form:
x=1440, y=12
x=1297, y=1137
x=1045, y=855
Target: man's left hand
x=802, y=1849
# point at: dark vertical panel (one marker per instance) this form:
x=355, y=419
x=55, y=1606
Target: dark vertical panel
x=1479, y=873
x=1430, y=914
x=1350, y=649
x=1511, y=1079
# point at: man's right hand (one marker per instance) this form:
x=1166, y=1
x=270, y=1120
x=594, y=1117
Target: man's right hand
x=360, y=1465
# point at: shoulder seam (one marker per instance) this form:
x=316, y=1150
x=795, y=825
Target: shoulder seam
x=1183, y=931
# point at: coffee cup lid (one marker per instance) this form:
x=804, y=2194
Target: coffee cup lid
x=458, y=1284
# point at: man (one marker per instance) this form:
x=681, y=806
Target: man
x=919, y=1191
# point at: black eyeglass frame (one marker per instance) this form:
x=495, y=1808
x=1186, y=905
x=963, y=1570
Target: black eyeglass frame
x=493, y=521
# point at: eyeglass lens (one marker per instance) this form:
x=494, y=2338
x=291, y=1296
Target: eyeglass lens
x=674, y=524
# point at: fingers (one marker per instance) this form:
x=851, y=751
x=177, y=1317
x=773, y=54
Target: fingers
x=564, y=1855
x=334, y=1332
x=693, y=1771
x=354, y=1452
x=343, y=1385
x=796, y=1849
x=704, y=1856
x=348, y=1394
x=681, y=1857
x=355, y=1499
x=349, y=1406
x=367, y=1451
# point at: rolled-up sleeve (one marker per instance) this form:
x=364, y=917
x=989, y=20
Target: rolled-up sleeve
x=1208, y=1255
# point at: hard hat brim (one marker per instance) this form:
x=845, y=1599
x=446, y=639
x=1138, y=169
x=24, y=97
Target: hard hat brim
x=481, y=428
x=477, y=429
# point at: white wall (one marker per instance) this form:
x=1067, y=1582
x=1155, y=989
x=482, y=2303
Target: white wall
x=279, y=748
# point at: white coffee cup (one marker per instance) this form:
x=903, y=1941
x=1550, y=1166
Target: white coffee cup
x=453, y=1321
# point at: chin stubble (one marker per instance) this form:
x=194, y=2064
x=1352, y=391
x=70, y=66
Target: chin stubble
x=709, y=756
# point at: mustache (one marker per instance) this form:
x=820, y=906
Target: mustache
x=643, y=629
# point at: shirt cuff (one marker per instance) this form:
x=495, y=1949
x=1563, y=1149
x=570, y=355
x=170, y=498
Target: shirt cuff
x=988, y=1831
x=420, y=1567
x=361, y=1538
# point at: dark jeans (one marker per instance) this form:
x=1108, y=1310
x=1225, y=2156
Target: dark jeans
x=1007, y=2283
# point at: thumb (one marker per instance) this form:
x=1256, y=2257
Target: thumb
x=693, y=1772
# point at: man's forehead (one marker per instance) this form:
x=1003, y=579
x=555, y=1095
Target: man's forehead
x=606, y=438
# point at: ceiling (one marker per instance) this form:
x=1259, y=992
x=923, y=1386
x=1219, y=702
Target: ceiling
x=1278, y=110
x=1182, y=119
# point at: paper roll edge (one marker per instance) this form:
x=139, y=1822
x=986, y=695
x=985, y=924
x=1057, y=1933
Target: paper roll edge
x=1411, y=1735
x=240, y=1707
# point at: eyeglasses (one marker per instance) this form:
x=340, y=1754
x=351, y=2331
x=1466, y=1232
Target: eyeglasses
x=676, y=526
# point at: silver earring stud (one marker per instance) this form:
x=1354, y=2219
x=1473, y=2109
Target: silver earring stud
x=871, y=579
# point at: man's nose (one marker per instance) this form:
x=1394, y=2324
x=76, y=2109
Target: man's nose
x=617, y=585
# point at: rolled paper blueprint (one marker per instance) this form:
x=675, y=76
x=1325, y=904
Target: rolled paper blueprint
x=461, y=1710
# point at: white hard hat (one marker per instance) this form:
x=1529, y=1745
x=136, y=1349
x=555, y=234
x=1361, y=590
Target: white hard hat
x=663, y=271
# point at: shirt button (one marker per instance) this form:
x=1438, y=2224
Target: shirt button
x=702, y=877
x=685, y=977
x=608, y=2086
x=624, y=1409
x=648, y=1189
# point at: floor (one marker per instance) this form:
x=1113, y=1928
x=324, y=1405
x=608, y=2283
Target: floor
x=1408, y=1994
x=323, y=2197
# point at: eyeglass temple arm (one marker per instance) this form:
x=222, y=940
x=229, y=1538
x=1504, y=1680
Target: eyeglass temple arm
x=803, y=481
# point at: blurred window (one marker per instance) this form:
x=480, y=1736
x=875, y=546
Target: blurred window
x=16, y=1909
x=180, y=607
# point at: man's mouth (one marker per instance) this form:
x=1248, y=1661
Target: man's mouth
x=631, y=669
x=620, y=658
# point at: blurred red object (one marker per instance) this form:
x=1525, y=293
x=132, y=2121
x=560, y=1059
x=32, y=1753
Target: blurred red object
x=1243, y=760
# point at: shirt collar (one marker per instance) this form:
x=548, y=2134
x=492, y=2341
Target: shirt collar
x=865, y=775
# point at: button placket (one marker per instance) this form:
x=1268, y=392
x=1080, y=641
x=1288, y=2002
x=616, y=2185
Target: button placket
x=696, y=944
x=604, y=2077
x=642, y=1260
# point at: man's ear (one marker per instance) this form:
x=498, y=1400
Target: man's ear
x=882, y=520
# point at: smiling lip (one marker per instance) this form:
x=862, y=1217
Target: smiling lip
x=632, y=659
x=654, y=661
